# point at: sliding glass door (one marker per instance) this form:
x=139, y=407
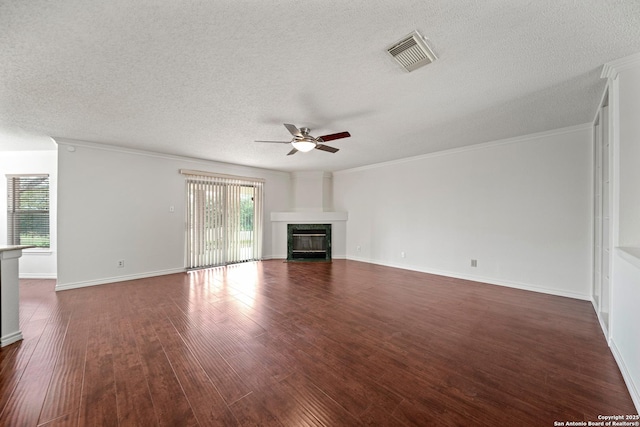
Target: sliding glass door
x=224, y=220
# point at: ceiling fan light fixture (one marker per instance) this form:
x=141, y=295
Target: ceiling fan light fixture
x=303, y=145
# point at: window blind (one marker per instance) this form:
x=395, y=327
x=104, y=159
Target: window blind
x=28, y=210
x=224, y=220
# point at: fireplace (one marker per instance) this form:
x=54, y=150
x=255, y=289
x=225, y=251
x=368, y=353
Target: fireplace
x=308, y=242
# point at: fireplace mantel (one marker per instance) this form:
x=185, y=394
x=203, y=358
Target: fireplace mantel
x=309, y=216
x=280, y=220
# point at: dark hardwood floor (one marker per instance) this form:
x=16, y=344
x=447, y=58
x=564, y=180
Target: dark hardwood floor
x=295, y=344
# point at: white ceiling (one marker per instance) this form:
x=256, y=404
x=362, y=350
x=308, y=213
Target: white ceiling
x=204, y=78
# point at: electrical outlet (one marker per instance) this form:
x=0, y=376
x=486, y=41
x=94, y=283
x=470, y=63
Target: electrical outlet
x=474, y=263
x=402, y=254
x=121, y=263
x=358, y=248
x=172, y=208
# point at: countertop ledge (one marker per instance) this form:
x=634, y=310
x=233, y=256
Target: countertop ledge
x=630, y=254
x=5, y=248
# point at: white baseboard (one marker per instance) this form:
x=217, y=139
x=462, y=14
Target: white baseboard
x=10, y=338
x=604, y=328
x=38, y=276
x=631, y=386
x=67, y=286
x=487, y=280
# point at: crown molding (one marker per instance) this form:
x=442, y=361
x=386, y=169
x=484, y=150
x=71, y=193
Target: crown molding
x=72, y=143
x=610, y=70
x=474, y=147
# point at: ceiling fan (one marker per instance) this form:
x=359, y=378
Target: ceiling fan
x=304, y=142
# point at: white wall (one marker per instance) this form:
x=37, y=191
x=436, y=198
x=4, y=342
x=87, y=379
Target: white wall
x=629, y=145
x=624, y=334
x=113, y=204
x=35, y=263
x=625, y=320
x=522, y=208
x=312, y=191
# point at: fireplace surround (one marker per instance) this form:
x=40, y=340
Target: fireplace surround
x=308, y=242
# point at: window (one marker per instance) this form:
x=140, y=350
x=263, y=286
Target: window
x=224, y=219
x=28, y=210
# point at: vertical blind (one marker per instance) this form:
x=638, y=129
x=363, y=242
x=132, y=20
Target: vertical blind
x=224, y=219
x=28, y=210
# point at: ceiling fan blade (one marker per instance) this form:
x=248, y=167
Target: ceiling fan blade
x=294, y=130
x=326, y=148
x=293, y=151
x=277, y=142
x=333, y=136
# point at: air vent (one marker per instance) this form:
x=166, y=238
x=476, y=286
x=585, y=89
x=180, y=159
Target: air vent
x=412, y=52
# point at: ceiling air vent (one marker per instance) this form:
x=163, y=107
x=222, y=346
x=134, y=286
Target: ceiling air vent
x=412, y=52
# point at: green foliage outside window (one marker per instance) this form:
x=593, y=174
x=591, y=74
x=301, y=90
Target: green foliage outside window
x=28, y=211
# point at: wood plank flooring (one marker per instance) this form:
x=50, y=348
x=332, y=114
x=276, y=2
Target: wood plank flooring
x=304, y=344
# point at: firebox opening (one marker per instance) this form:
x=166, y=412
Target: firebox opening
x=308, y=242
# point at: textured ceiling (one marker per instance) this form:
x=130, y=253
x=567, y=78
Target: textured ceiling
x=206, y=78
